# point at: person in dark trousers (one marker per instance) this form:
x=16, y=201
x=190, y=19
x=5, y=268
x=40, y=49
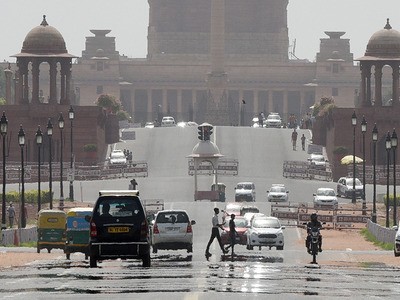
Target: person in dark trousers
x=313, y=223
x=303, y=142
x=232, y=234
x=294, y=138
x=215, y=233
x=133, y=184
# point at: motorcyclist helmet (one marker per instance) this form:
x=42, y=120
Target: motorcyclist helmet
x=314, y=217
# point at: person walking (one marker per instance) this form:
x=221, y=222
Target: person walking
x=294, y=138
x=133, y=184
x=303, y=142
x=11, y=214
x=215, y=233
x=232, y=234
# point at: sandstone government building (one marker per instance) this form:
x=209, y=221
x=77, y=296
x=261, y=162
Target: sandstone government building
x=230, y=59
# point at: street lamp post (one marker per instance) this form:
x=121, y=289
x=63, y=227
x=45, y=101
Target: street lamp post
x=374, y=140
x=354, y=123
x=21, y=142
x=71, y=115
x=3, y=131
x=50, y=135
x=61, y=126
x=388, y=146
x=39, y=140
x=363, y=130
x=394, y=147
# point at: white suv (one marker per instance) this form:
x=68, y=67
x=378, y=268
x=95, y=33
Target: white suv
x=167, y=122
x=245, y=191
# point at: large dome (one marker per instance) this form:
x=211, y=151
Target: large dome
x=44, y=40
x=384, y=43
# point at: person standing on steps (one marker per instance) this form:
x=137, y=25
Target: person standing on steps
x=294, y=138
x=303, y=142
x=216, y=225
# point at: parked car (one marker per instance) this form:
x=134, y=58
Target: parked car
x=167, y=122
x=273, y=120
x=278, y=192
x=241, y=229
x=245, y=191
x=397, y=242
x=117, y=157
x=325, y=197
x=318, y=161
x=149, y=125
x=172, y=230
x=345, y=187
x=248, y=208
x=265, y=232
x=118, y=228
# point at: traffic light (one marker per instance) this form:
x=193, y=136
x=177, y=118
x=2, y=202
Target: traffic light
x=201, y=133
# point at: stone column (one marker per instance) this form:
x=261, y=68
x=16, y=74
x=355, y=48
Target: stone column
x=179, y=104
x=8, y=73
x=68, y=83
x=53, y=82
x=150, y=111
x=285, y=104
x=395, y=99
x=35, y=81
x=363, y=83
x=164, y=101
x=62, y=81
x=367, y=101
x=378, y=85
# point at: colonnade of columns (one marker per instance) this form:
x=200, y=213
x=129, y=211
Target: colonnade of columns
x=366, y=85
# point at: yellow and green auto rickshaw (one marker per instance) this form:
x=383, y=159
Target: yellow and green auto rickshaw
x=51, y=229
x=77, y=231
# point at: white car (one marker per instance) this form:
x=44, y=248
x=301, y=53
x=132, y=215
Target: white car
x=149, y=125
x=318, y=161
x=397, y=242
x=325, y=197
x=345, y=187
x=265, y=232
x=245, y=191
x=167, y=122
x=172, y=230
x=278, y=192
x=117, y=157
x=273, y=120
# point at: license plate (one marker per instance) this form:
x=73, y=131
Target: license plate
x=118, y=229
x=171, y=228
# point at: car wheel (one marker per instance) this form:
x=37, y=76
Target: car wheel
x=68, y=255
x=396, y=254
x=86, y=256
x=48, y=250
x=279, y=247
x=146, y=261
x=93, y=262
x=38, y=249
x=155, y=249
x=190, y=249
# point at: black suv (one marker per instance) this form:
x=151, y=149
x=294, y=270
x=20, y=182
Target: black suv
x=118, y=228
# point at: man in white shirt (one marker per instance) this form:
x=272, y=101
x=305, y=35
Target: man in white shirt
x=215, y=233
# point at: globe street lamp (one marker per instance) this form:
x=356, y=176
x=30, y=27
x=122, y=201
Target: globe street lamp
x=388, y=146
x=394, y=147
x=39, y=141
x=21, y=142
x=354, y=123
x=363, y=130
x=50, y=135
x=3, y=131
x=71, y=115
x=374, y=140
x=61, y=126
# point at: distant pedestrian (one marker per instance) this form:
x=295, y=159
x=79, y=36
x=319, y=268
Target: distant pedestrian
x=133, y=184
x=216, y=226
x=294, y=138
x=11, y=214
x=303, y=142
x=232, y=234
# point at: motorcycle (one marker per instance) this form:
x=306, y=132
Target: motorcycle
x=314, y=236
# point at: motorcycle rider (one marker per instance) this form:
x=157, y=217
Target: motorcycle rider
x=313, y=223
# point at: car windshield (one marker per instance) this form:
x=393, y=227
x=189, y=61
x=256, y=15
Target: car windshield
x=274, y=117
x=325, y=193
x=350, y=181
x=172, y=217
x=117, y=155
x=266, y=223
x=278, y=189
x=241, y=223
x=318, y=158
x=245, y=210
x=244, y=186
x=118, y=207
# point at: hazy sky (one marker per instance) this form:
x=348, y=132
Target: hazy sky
x=128, y=20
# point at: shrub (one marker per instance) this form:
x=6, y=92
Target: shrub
x=90, y=148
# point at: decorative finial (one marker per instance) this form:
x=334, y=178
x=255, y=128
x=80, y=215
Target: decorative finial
x=44, y=22
x=387, y=25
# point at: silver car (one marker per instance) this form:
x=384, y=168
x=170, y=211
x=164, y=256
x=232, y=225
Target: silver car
x=172, y=230
x=265, y=232
x=278, y=192
x=325, y=197
x=345, y=187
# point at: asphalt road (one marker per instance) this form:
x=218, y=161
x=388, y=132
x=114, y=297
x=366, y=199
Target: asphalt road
x=178, y=275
